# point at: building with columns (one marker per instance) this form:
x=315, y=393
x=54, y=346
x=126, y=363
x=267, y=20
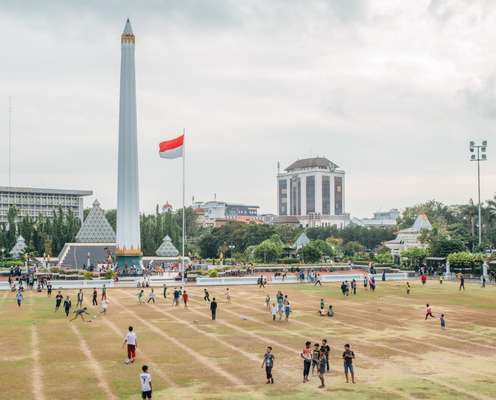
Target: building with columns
x=312, y=190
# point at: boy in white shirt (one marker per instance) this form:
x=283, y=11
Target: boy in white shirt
x=146, y=383
x=132, y=343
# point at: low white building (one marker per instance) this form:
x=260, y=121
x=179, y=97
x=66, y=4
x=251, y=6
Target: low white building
x=380, y=219
x=409, y=237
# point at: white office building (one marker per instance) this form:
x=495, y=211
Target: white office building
x=312, y=190
x=32, y=202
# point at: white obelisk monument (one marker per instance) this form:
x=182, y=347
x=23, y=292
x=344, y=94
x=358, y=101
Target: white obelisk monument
x=128, y=220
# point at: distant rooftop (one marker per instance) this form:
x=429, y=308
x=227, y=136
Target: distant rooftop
x=45, y=191
x=314, y=162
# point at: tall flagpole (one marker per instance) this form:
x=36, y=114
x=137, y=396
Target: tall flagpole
x=184, y=209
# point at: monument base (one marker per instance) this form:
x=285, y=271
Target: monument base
x=129, y=265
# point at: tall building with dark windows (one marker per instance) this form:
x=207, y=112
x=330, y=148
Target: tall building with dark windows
x=312, y=191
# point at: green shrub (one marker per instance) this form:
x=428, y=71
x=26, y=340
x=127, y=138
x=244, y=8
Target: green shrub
x=87, y=275
x=213, y=273
x=288, y=260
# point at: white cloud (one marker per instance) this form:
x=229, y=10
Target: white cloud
x=391, y=91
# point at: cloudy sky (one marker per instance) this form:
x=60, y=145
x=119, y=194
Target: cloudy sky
x=392, y=91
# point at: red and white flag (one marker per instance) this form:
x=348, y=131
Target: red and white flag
x=172, y=148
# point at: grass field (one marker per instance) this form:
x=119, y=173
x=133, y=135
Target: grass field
x=399, y=355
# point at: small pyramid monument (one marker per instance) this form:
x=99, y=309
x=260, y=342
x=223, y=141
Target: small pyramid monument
x=18, y=248
x=167, y=249
x=96, y=228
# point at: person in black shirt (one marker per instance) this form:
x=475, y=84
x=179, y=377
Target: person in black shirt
x=58, y=300
x=348, y=357
x=268, y=362
x=94, y=299
x=67, y=306
x=49, y=289
x=206, y=296
x=213, y=309
x=324, y=347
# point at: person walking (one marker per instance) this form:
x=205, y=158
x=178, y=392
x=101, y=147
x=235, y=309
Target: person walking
x=19, y=298
x=206, y=295
x=164, y=291
x=353, y=286
x=94, y=298
x=80, y=298
x=67, y=306
x=58, y=301
x=268, y=363
x=306, y=355
x=104, y=293
x=185, y=299
x=325, y=348
x=132, y=343
x=213, y=309
x=462, y=282
x=151, y=296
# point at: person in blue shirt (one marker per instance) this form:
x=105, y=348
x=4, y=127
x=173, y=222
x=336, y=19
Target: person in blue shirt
x=268, y=363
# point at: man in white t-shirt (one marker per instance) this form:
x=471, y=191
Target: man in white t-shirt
x=146, y=383
x=132, y=343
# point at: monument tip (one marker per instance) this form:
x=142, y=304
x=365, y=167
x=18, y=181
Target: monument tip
x=127, y=28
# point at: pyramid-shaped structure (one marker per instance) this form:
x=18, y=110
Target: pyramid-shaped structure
x=96, y=228
x=19, y=247
x=167, y=249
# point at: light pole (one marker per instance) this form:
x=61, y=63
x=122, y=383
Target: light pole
x=478, y=154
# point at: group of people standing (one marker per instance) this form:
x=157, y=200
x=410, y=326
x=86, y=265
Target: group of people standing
x=279, y=308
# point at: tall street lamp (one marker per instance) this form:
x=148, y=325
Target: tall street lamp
x=478, y=154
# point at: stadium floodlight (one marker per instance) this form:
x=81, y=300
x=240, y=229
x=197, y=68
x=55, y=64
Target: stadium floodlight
x=479, y=155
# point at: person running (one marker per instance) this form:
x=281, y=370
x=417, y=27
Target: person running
x=268, y=363
x=462, y=283
x=443, y=322
x=274, y=311
x=19, y=298
x=322, y=368
x=348, y=357
x=428, y=312
x=213, y=309
x=228, y=295
x=267, y=302
x=287, y=310
x=132, y=343
x=315, y=357
x=206, y=295
x=58, y=300
x=324, y=348
x=104, y=305
x=185, y=299
x=164, y=291
x=151, y=296
x=317, y=280
x=141, y=296
x=80, y=298
x=146, y=383
x=306, y=354
x=67, y=306
x=80, y=313
x=104, y=293
x=408, y=288
x=94, y=298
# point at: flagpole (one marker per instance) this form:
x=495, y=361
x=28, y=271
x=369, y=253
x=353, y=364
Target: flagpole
x=184, y=209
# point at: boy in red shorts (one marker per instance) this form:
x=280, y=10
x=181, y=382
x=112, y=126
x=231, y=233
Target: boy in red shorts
x=132, y=343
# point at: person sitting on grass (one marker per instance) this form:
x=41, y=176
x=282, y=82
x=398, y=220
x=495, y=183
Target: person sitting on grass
x=330, y=312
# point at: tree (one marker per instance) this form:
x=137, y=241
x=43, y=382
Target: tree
x=324, y=248
x=268, y=251
x=311, y=252
x=413, y=256
x=352, y=248
x=444, y=246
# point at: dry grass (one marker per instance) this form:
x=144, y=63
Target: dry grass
x=399, y=355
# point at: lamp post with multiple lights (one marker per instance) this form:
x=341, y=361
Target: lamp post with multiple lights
x=478, y=154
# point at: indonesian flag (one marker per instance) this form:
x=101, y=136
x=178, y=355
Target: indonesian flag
x=172, y=148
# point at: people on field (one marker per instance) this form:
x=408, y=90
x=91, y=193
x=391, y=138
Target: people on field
x=306, y=355
x=80, y=298
x=19, y=298
x=268, y=363
x=206, y=295
x=131, y=341
x=79, y=312
x=58, y=300
x=151, y=296
x=442, y=321
x=146, y=383
x=213, y=309
x=94, y=298
x=67, y=306
x=348, y=357
x=428, y=311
